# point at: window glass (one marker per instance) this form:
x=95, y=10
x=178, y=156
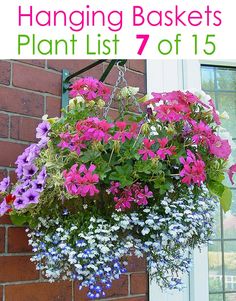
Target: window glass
x=220, y=84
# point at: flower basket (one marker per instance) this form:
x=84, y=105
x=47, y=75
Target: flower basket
x=95, y=190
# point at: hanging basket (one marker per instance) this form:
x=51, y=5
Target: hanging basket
x=96, y=190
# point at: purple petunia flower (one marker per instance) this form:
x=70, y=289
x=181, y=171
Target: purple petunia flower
x=42, y=129
x=32, y=196
x=20, y=189
x=42, y=175
x=20, y=203
x=4, y=207
x=4, y=184
x=29, y=170
x=43, y=142
x=38, y=185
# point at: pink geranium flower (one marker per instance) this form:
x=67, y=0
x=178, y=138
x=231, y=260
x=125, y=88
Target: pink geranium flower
x=193, y=171
x=231, y=172
x=132, y=194
x=81, y=182
x=142, y=195
x=94, y=129
x=173, y=112
x=164, y=151
x=219, y=147
x=123, y=133
x=147, y=152
x=90, y=88
x=202, y=133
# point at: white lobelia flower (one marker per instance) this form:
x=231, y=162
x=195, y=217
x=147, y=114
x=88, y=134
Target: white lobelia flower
x=145, y=231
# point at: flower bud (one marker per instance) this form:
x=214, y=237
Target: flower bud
x=224, y=115
x=91, y=103
x=170, y=129
x=101, y=103
x=145, y=129
x=127, y=92
x=117, y=146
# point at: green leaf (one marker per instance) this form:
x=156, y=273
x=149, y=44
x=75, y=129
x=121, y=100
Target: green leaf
x=19, y=219
x=122, y=174
x=102, y=169
x=90, y=156
x=226, y=199
x=216, y=188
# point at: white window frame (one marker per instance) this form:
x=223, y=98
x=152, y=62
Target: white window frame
x=169, y=75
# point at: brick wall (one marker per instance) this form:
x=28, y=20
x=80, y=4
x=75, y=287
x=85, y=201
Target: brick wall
x=28, y=90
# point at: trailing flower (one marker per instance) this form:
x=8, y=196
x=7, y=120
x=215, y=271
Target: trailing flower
x=95, y=190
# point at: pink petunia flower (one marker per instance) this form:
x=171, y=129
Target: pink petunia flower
x=147, y=152
x=219, y=147
x=231, y=172
x=215, y=114
x=193, y=170
x=164, y=151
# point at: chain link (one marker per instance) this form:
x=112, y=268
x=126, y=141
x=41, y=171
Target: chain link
x=121, y=82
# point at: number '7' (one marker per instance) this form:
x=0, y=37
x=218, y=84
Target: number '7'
x=144, y=38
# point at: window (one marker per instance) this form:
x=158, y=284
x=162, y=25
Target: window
x=220, y=83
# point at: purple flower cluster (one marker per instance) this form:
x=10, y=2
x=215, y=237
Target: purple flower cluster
x=31, y=180
x=4, y=184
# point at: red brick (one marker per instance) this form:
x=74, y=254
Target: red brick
x=39, y=292
x=9, y=152
x=3, y=174
x=2, y=240
x=1, y=293
x=36, y=79
x=17, y=268
x=138, y=65
x=80, y=295
x=5, y=220
x=18, y=241
x=4, y=122
x=17, y=101
x=144, y=298
x=13, y=176
x=39, y=63
x=119, y=289
x=136, y=264
x=76, y=65
x=23, y=128
x=139, y=283
x=53, y=106
x=134, y=79
x=5, y=72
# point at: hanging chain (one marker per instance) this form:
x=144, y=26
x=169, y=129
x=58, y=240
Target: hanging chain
x=120, y=82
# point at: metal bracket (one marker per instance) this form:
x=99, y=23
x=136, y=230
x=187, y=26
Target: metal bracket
x=65, y=89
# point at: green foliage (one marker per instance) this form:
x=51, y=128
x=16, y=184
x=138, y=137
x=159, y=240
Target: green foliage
x=19, y=219
x=226, y=199
x=123, y=174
